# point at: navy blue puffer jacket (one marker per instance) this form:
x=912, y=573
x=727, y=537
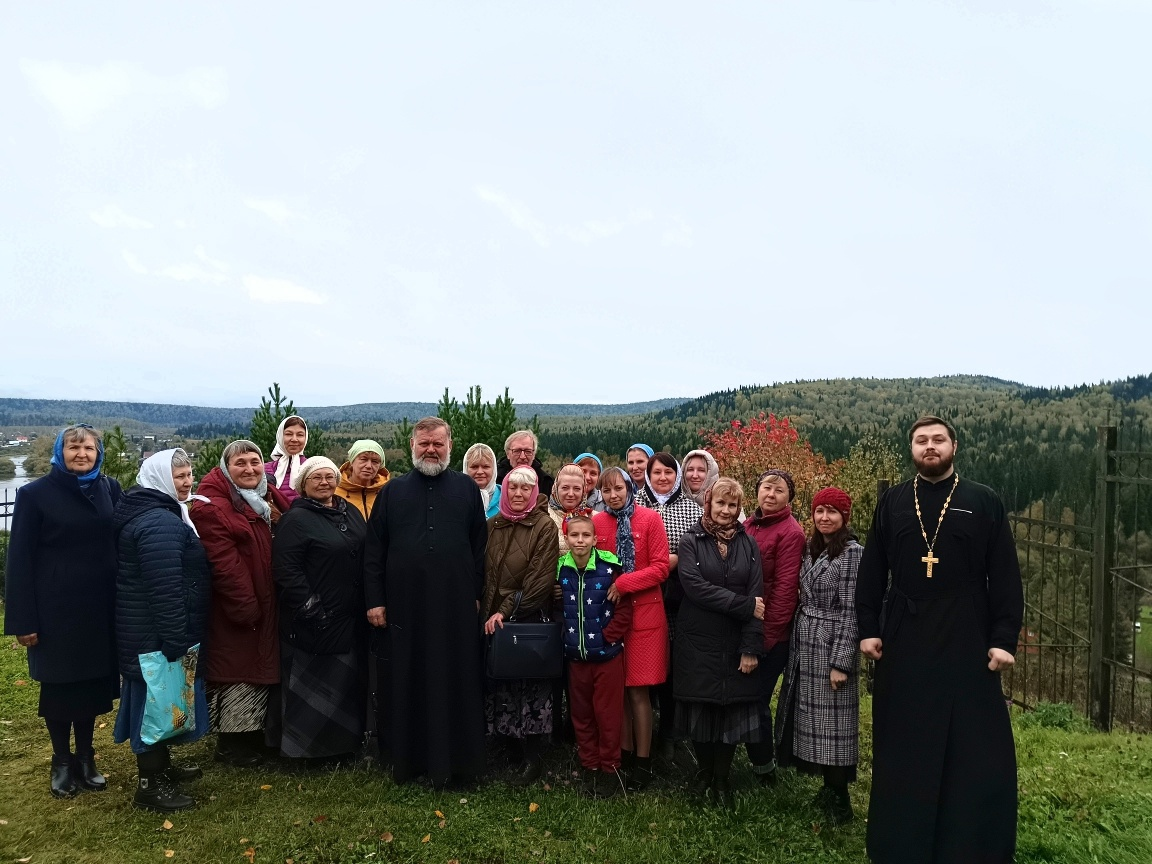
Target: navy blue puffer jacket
x=164, y=586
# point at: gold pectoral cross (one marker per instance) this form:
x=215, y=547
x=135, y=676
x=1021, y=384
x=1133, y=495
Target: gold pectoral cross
x=929, y=560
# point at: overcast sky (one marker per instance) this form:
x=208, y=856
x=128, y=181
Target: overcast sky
x=585, y=202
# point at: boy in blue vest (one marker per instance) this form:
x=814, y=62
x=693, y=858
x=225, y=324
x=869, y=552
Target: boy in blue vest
x=594, y=630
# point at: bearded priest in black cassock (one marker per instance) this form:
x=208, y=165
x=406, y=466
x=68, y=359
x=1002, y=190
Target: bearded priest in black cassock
x=944, y=762
x=423, y=580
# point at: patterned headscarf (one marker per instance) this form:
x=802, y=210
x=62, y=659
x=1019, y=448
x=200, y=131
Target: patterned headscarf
x=663, y=458
x=625, y=543
x=582, y=509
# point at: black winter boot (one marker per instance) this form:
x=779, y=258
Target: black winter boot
x=64, y=776
x=641, y=774
x=154, y=791
x=87, y=775
x=178, y=773
x=533, y=764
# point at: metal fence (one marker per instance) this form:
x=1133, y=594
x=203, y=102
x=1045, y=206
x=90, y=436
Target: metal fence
x=1087, y=634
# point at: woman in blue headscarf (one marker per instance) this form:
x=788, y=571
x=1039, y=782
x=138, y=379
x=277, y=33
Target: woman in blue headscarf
x=59, y=600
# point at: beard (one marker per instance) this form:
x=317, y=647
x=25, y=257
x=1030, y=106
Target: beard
x=431, y=469
x=932, y=470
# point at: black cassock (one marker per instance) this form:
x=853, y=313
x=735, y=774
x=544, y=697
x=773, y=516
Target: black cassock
x=424, y=562
x=944, y=763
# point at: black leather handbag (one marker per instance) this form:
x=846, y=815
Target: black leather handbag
x=525, y=649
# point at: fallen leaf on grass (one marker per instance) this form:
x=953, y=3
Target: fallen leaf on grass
x=320, y=818
x=23, y=860
x=386, y=836
x=20, y=682
x=3, y=821
x=547, y=787
x=443, y=822
x=103, y=726
x=425, y=838
x=265, y=787
x=250, y=854
x=515, y=818
x=453, y=861
x=167, y=825
x=533, y=807
x=243, y=840
x=439, y=815
x=168, y=853
x=463, y=800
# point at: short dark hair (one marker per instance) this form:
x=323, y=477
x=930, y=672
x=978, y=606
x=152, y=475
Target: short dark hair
x=579, y=517
x=931, y=420
x=660, y=457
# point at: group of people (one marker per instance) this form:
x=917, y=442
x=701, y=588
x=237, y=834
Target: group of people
x=315, y=590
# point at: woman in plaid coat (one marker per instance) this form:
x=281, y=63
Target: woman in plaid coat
x=820, y=700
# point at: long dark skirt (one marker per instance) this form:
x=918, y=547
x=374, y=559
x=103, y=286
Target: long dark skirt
x=322, y=696
x=719, y=724
x=519, y=708
x=78, y=700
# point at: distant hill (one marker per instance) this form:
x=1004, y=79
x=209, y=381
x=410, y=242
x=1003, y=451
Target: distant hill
x=57, y=412
x=1027, y=442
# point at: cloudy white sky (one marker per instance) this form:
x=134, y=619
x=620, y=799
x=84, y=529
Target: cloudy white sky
x=586, y=202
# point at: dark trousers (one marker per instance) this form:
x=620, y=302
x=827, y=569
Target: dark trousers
x=772, y=665
x=596, y=697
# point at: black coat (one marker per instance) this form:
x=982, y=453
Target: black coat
x=164, y=587
x=318, y=555
x=546, y=482
x=716, y=624
x=61, y=576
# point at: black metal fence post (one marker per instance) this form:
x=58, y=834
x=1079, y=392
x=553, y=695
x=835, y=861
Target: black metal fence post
x=1104, y=547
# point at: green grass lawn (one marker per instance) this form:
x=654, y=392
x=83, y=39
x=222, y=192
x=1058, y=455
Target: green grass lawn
x=1085, y=797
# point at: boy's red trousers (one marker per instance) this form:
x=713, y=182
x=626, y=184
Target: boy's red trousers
x=596, y=697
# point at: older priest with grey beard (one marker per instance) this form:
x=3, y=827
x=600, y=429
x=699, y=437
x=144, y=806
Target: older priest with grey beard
x=423, y=581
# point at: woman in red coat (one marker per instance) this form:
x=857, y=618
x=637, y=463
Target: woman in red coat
x=242, y=650
x=636, y=536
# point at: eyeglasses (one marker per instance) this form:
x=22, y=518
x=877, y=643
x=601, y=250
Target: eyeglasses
x=524, y=451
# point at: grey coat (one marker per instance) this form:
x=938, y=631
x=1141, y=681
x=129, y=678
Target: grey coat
x=825, y=721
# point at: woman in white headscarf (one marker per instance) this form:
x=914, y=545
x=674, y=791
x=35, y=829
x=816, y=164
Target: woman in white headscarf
x=288, y=455
x=480, y=465
x=163, y=593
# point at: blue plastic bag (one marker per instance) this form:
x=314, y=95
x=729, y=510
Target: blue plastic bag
x=170, y=709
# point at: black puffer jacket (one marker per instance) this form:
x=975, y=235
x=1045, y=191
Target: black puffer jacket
x=716, y=624
x=318, y=564
x=164, y=585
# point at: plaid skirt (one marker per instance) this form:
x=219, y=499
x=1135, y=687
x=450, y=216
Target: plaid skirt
x=237, y=707
x=323, y=702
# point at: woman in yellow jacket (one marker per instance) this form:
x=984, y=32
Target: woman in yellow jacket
x=363, y=476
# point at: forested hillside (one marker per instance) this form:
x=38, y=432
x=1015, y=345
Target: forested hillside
x=197, y=421
x=1027, y=442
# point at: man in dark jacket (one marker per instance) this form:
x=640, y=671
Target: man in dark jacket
x=520, y=450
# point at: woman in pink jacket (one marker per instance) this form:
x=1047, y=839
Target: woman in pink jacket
x=636, y=536
x=781, y=542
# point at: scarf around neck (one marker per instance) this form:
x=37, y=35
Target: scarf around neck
x=486, y=492
x=254, y=498
x=672, y=493
x=625, y=542
x=287, y=466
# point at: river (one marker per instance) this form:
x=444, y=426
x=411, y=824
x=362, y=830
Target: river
x=8, y=487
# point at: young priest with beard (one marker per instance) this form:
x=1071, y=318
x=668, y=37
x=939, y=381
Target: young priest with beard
x=944, y=763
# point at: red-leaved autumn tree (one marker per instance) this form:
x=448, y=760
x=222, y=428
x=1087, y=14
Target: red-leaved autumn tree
x=744, y=449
